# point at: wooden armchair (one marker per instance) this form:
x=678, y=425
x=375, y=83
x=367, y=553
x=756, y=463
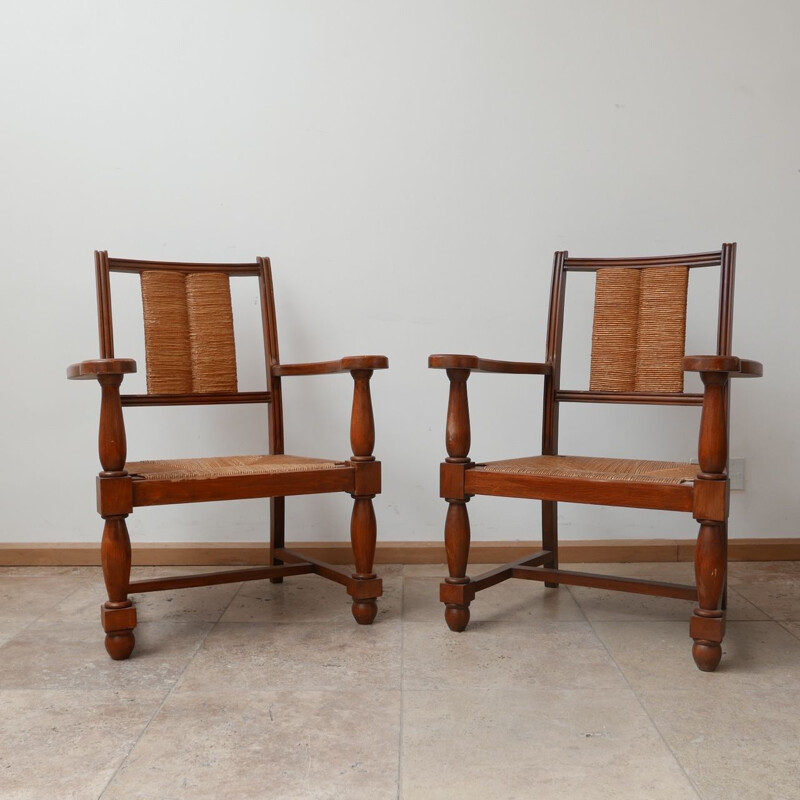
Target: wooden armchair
x=637, y=357
x=190, y=354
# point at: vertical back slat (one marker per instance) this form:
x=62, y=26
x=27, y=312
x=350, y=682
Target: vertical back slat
x=166, y=332
x=210, y=328
x=104, y=320
x=615, y=331
x=661, y=339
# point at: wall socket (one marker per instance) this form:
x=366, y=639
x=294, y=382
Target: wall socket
x=736, y=474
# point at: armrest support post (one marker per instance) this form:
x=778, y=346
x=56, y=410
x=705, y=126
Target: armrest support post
x=362, y=421
x=458, y=437
x=112, y=444
x=712, y=450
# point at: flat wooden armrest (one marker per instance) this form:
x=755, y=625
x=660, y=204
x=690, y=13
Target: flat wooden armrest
x=346, y=364
x=100, y=366
x=735, y=367
x=475, y=364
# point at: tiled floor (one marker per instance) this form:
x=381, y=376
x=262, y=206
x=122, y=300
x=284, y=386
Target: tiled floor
x=262, y=691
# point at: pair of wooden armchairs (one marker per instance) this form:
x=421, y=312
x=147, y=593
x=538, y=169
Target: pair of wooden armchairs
x=637, y=357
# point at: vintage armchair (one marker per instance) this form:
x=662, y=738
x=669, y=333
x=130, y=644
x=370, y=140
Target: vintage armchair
x=190, y=355
x=637, y=357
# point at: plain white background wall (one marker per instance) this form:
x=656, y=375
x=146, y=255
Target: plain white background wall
x=410, y=167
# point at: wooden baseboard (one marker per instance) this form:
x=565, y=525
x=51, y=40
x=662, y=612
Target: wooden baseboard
x=247, y=553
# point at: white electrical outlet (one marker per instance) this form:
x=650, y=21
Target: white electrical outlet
x=736, y=474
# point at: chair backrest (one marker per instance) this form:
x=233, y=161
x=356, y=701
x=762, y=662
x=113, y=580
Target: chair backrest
x=190, y=350
x=639, y=330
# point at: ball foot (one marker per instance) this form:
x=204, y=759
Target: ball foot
x=706, y=655
x=276, y=580
x=456, y=617
x=119, y=645
x=364, y=611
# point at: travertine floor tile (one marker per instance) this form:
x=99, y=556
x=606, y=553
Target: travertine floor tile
x=657, y=655
x=773, y=586
x=306, y=598
x=506, y=744
x=308, y=656
x=67, y=744
x=792, y=627
x=73, y=656
x=263, y=745
x=24, y=598
x=198, y=604
x=600, y=604
x=497, y=655
x=512, y=600
x=733, y=748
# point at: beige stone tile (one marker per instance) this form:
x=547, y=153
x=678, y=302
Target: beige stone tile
x=197, y=604
x=42, y=572
x=792, y=627
x=520, y=744
x=306, y=598
x=732, y=747
x=288, y=745
x=657, y=655
x=511, y=600
x=772, y=586
x=601, y=604
x=23, y=598
x=492, y=655
x=324, y=655
x=67, y=744
x=73, y=656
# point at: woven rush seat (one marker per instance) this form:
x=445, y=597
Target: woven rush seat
x=182, y=469
x=599, y=469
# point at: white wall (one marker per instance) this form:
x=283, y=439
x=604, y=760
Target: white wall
x=410, y=167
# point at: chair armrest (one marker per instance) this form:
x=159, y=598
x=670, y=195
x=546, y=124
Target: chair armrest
x=346, y=364
x=100, y=366
x=735, y=367
x=475, y=364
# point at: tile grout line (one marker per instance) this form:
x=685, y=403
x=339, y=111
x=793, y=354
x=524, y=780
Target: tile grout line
x=638, y=699
x=167, y=695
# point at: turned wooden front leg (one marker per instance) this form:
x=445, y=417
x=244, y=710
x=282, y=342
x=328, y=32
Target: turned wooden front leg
x=456, y=528
x=707, y=626
x=117, y=614
x=363, y=525
x=708, y=621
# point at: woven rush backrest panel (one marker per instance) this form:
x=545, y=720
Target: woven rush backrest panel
x=188, y=328
x=639, y=331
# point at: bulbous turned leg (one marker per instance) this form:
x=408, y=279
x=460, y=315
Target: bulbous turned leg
x=708, y=620
x=456, y=616
x=365, y=611
x=120, y=643
x=456, y=540
x=707, y=655
x=363, y=534
x=117, y=614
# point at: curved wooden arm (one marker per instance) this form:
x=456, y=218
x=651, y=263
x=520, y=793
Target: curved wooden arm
x=100, y=366
x=475, y=364
x=346, y=364
x=735, y=367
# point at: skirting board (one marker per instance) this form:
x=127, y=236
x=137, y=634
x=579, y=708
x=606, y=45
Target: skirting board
x=248, y=553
